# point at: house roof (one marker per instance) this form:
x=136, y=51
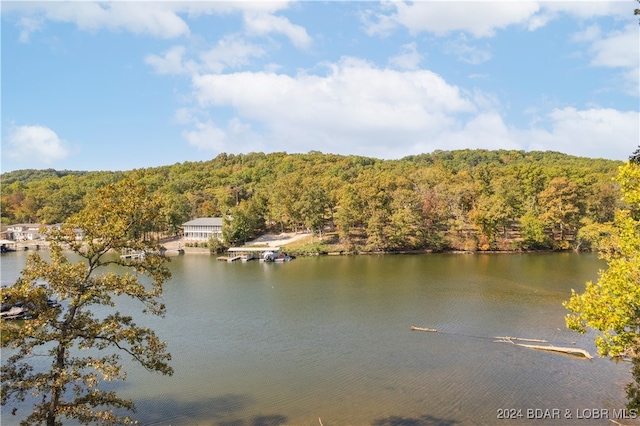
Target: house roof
x=204, y=221
x=26, y=225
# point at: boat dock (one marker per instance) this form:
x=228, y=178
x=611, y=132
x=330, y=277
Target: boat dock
x=130, y=254
x=246, y=254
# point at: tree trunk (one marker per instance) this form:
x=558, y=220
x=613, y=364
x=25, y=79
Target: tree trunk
x=56, y=390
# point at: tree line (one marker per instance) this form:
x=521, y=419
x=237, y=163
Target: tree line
x=388, y=202
x=464, y=200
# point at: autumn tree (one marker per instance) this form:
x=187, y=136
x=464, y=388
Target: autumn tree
x=611, y=306
x=469, y=199
x=84, y=339
x=349, y=214
x=242, y=222
x=406, y=220
x=313, y=204
x=560, y=205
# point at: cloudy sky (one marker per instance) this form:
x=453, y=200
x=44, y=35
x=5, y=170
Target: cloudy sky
x=123, y=85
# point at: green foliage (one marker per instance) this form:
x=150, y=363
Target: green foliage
x=593, y=235
x=215, y=245
x=85, y=348
x=612, y=304
x=560, y=205
x=242, y=222
x=463, y=199
x=29, y=175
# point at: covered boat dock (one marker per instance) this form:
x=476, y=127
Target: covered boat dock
x=247, y=253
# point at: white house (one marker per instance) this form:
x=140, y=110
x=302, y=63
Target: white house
x=202, y=228
x=25, y=231
x=31, y=231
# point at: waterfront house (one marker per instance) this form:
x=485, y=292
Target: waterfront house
x=31, y=231
x=25, y=231
x=202, y=228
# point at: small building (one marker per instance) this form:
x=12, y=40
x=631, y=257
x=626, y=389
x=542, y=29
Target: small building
x=202, y=228
x=31, y=231
x=25, y=231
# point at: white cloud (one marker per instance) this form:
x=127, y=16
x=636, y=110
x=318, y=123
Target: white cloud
x=465, y=52
x=263, y=24
x=408, y=59
x=162, y=19
x=28, y=26
x=486, y=130
x=198, y=8
x=617, y=49
x=589, y=34
x=170, y=63
x=355, y=103
x=237, y=137
x=231, y=52
x=352, y=85
x=37, y=143
x=595, y=132
x=206, y=137
x=358, y=108
x=588, y=9
x=186, y=115
x=482, y=18
x=158, y=19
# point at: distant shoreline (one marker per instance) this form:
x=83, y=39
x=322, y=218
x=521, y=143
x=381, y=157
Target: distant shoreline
x=177, y=247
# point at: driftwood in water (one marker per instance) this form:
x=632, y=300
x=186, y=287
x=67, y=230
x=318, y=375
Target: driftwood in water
x=568, y=351
x=431, y=330
x=507, y=338
x=551, y=348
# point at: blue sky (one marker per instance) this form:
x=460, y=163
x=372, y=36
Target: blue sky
x=124, y=85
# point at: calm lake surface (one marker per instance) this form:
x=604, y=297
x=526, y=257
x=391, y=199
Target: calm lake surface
x=329, y=338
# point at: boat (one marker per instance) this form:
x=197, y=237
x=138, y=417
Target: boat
x=7, y=246
x=284, y=258
x=271, y=256
x=21, y=311
x=10, y=312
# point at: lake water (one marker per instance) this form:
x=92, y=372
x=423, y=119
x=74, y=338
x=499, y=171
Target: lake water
x=327, y=340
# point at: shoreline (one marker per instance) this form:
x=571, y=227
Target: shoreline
x=176, y=247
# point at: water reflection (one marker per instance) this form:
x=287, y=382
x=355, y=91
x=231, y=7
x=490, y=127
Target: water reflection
x=330, y=338
x=424, y=420
x=167, y=409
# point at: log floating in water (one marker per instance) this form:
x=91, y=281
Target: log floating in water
x=431, y=330
x=507, y=339
x=568, y=351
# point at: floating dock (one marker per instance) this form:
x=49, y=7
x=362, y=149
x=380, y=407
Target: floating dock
x=130, y=254
x=246, y=254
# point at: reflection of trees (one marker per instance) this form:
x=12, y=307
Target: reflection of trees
x=424, y=420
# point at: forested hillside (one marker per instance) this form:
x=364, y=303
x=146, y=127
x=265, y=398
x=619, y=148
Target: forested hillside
x=468, y=199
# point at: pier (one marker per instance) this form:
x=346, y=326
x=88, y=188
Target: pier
x=246, y=253
x=130, y=254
